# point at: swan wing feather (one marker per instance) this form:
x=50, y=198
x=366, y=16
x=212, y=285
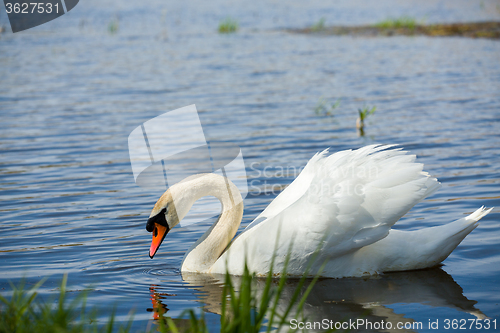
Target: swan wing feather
x=292, y=192
x=349, y=199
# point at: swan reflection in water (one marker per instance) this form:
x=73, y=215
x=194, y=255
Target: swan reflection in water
x=339, y=300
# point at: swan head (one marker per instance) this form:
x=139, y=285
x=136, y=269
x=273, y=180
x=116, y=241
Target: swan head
x=163, y=218
x=176, y=202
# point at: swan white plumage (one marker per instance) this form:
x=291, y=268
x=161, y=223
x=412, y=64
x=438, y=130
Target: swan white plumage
x=342, y=207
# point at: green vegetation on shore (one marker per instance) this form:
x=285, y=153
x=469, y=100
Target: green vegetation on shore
x=114, y=25
x=241, y=309
x=397, y=23
x=318, y=26
x=24, y=312
x=325, y=107
x=362, y=115
x=408, y=26
x=228, y=25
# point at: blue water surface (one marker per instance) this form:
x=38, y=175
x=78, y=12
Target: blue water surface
x=72, y=90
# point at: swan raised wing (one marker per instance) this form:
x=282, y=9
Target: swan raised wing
x=346, y=200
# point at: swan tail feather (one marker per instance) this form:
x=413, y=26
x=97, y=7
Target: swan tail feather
x=458, y=230
x=425, y=247
x=478, y=214
x=462, y=227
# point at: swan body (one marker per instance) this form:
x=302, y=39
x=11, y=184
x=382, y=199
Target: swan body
x=334, y=218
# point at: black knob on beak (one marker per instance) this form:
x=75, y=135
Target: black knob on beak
x=150, y=226
x=158, y=218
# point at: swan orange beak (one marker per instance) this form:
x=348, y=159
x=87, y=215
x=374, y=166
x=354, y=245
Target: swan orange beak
x=159, y=234
x=159, y=227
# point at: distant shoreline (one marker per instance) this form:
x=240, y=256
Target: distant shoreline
x=490, y=30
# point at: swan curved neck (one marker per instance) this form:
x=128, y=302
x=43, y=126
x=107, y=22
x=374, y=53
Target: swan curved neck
x=205, y=252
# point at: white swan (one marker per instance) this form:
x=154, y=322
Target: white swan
x=343, y=204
